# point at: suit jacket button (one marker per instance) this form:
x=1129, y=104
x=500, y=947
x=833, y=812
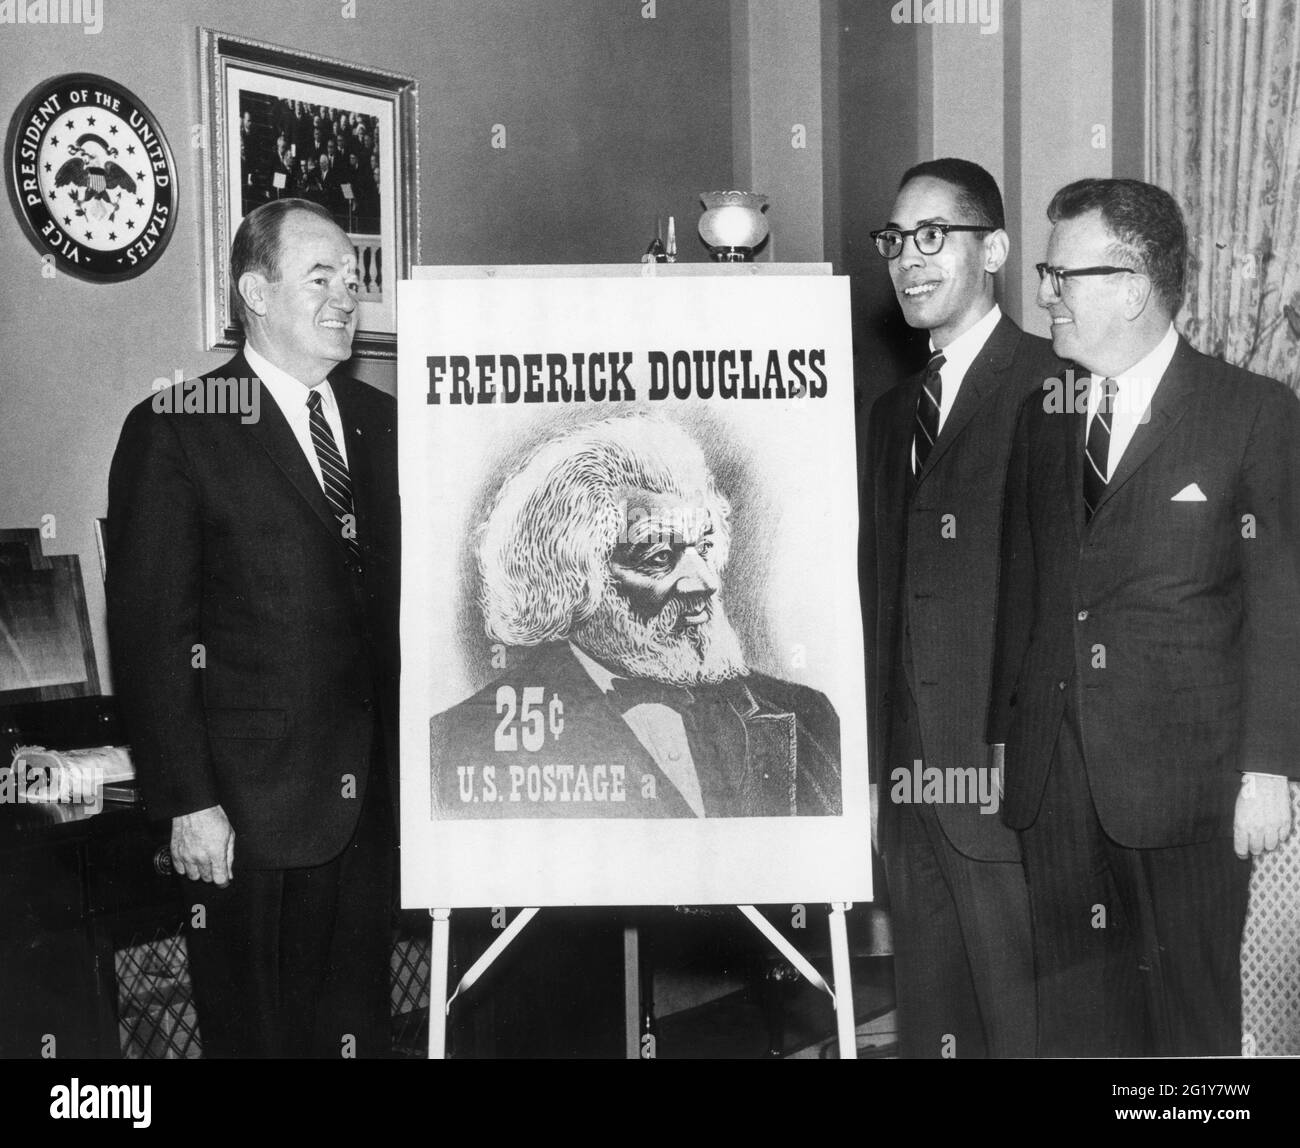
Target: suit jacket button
x=1083, y=615
x=1062, y=684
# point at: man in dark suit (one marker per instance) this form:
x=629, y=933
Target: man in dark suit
x=601, y=559
x=937, y=453
x=252, y=598
x=331, y=188
x=1149, y=716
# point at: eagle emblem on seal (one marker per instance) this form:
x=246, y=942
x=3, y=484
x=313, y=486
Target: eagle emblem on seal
x=97, y=181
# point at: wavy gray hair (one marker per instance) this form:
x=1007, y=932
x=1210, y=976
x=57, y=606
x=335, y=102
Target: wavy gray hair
x=544, y=549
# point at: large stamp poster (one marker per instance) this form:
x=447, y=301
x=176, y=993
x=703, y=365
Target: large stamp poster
x=632, y=664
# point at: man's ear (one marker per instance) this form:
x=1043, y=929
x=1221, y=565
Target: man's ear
x=1136, y=295
x=997, y=246
x=252, y=290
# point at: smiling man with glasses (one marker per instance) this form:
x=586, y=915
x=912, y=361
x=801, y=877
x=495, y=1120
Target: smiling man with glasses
x=1148, y=710
x=938, y=445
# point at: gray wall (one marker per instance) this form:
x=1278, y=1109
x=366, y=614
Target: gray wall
x=610, y=119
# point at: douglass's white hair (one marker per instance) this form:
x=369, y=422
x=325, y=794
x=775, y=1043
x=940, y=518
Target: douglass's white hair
x=543, y=552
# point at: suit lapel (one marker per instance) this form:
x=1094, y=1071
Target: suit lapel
x=612, y=738
x=358, y=451
x=1168, y=406
x=982, y=377
x=898, y=476
x=765, y=776
x=273, y=433
x=1075, y=428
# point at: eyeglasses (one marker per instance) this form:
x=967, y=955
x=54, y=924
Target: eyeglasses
x=929, y=237
x=1056, y=276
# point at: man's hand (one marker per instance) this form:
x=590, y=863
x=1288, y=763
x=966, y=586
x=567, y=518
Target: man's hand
x=203, y=846
x=1263, y=817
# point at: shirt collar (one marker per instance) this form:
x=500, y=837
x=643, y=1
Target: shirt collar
x=290, y=394
x=961, y=352
x=1149, y=369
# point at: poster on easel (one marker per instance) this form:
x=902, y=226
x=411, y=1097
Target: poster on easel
x=632, y=659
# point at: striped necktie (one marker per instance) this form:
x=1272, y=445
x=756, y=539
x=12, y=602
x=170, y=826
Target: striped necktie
x=927, y=412
x=1097, y=449
x=334, y=473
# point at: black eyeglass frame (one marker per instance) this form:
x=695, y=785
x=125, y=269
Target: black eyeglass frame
x=941, y=228
x=1056, y=275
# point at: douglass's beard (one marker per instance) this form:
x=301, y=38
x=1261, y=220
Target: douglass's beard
x=659, y=648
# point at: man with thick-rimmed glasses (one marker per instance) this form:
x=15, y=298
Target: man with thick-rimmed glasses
x=1152, y=532
x=937, y=453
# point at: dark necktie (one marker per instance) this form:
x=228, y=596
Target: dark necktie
x=1097, y=449
x=334, y=473
x=628, y=692
x=927, y=411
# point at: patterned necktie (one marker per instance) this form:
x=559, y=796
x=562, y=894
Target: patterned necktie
x=334, y=473
x=1097, y=449
x=927, y=412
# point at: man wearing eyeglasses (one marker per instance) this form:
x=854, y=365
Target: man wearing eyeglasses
x=1149, y=712
x=937, y=455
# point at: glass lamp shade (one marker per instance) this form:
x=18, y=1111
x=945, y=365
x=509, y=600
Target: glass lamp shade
x=733, y=223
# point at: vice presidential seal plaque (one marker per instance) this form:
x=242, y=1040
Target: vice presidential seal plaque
x=91, y=177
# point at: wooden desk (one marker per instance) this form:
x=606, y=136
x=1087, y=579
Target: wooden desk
x=71, y=895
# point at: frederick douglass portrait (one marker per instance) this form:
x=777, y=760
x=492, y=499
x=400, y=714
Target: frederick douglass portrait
x=626, y=693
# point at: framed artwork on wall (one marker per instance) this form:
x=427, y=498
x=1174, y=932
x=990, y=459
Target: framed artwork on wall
x=280, y=123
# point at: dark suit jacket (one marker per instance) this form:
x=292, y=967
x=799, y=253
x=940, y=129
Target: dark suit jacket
x=1175, y=624
x=934, y=577
x=220, y=537
x=789, y=762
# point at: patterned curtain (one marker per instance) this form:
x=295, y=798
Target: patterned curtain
x=1226, y=143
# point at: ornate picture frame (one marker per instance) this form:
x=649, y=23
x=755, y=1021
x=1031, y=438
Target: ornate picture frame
x=269, y=116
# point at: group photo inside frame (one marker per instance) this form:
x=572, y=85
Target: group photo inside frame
x=281, y=124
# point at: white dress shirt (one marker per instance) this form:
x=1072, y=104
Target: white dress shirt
x=660, y=729
x=1137, y=386
x=291, y=397
x=957, y=358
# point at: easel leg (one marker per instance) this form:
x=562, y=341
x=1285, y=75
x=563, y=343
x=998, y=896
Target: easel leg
x=438, y=960
x=494, y=950
x=632, y=992
x=843, y=982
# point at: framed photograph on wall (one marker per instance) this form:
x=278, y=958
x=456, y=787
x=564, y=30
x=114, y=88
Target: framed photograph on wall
x=284, y=123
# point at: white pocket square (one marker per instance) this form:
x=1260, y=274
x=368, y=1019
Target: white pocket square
x=1189, y=493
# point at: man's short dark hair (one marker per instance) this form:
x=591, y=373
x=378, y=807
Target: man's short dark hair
x=257, y=243
x=1150, y=235
x=977, y=191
